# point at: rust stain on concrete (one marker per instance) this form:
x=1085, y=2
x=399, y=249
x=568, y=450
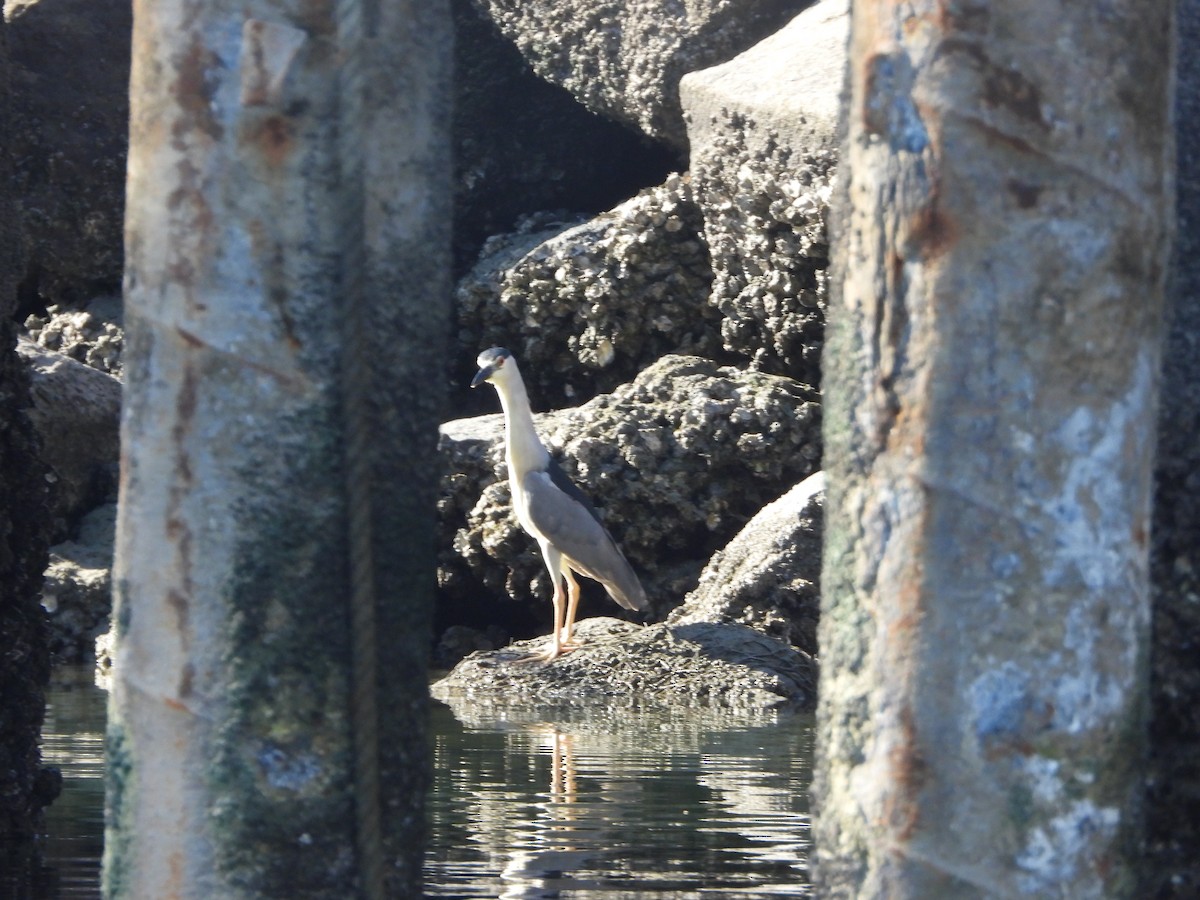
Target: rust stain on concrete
x=179, y=603
x=194, y=90
x=272, y=137
x=931, y=231
x=908, y=774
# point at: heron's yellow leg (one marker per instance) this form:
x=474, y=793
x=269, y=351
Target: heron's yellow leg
x=572, y=606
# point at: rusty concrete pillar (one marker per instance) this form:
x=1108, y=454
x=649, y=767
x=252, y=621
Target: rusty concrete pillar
x=991, y=378
x=286, y=309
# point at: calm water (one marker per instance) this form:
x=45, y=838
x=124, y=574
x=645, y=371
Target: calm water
x=570, y=804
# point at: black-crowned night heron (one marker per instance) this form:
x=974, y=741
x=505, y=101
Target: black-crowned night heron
x=552, y=509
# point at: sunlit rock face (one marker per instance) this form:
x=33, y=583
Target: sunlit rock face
x=769, y=575
x=588, y=305
x=763, y=130
x=623, y=58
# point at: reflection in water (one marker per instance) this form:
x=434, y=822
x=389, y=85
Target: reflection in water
x=73, y=740
x=612, y=804
x=579, y=804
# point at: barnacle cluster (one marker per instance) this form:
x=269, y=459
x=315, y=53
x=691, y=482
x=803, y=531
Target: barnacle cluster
x=766, y=226
x=587, y=307
x=81, y=335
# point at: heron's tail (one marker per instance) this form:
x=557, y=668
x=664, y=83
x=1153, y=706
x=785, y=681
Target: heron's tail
x=627, y=590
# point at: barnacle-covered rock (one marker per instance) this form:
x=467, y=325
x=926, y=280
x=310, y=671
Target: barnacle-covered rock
x=769, y=576
x=68, y=134
x=677, y=460
x=77, y=588
x=93, y=336
x=588, y=305
x=763, y=131
x=76, y=411
x=766, y=229
x=699, y=666
x=624, y=58
x=522, y=144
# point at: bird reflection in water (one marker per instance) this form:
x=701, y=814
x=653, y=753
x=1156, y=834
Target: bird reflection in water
x=615, y=804
x=544, y=867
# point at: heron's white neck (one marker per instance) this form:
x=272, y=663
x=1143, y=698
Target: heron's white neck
x=523, y=449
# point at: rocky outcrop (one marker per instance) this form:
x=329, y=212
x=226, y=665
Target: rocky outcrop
x=587, y=306
x=523, y=145
x=769, y=576
x=623, y=59
x=678, y=460
x=77, y=590
x=76, y=412
x=763, y=131
x=700, y=665
x=718, y=263
x=70, y=89
x=788, y=84
x=92, y=335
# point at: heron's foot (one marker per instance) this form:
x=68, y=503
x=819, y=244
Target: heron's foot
x=549, y=655
x=567, y=641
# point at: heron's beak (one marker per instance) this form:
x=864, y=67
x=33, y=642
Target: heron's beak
x=482, y=375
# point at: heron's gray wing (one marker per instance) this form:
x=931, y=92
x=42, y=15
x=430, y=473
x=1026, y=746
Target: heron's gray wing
x=568, y=521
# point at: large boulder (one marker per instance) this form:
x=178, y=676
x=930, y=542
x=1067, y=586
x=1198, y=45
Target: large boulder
x=586, y=306
x=624, y=58
x=678, y=460
x=76, y=412
x=769, y=576
x=763, y=130
x=523, y=145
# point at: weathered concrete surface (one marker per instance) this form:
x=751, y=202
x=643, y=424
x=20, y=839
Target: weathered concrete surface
x=624, y=58
x=288, y=176
x=769, y=575
x=990, y=388
x=678, y=460
x=1172, y=866
x=763, y=129
x=701, y=664
x=77, y=413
